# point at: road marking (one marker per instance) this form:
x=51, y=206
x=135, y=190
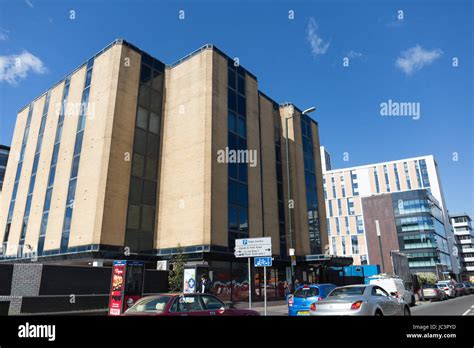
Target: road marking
x=466, y=312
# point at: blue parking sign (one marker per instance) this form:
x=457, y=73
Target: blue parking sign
x=262, y=262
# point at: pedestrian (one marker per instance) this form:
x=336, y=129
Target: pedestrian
x=205, y=285
x=297, y=283
x=286, y=289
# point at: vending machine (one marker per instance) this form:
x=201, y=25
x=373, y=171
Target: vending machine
x=126, y=285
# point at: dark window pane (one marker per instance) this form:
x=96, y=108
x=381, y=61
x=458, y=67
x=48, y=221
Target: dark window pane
x=241, y=87
x=149, y=193
x=67, y=219
x=242, y=144
x=157, y=80
x=231, y=77
x=71, y=192
x=138, y=165
x=243, y=195
x=243, y=170
x=155, y=104
x=241, y=107
x=140, y=141
x=88, y=78
x=152, y=145
x=145, y=74
x=233, y=217
x=147, y=218
x=232, y=122
x=154, y=126
x=150, y=170
x=243, y=220
x=78, y=144
x=142, y=118
x=47, y=199
x=75, y=166
x=241, y=127
x=135, y=190
x=233, y=170
x=231, y=99
x=133, y=221
x=144, y=96
x=232, y=138
x=233, y=189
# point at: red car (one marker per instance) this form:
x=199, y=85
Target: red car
x=185, y=305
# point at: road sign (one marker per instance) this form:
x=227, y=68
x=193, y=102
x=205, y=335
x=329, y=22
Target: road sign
x=262, y=262
x=253, y=247
x=253, y=241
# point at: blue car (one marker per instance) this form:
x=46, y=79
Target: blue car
x=300, y=302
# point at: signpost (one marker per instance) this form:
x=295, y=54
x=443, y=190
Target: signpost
x=254, y=247
x=264, y=262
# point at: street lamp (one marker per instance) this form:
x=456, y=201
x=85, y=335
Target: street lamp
x=290, y=206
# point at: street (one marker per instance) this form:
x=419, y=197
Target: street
x=463, y=305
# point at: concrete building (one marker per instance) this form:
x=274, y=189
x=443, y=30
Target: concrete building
x=129, y=157
x=464, y=234
x=345, y=188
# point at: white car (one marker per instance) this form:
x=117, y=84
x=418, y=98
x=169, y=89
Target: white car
x=448, y=287
x=395, y=287
x=360, y=300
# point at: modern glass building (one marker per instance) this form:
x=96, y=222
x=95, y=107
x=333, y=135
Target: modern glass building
x=345, y=189
x=128, y=157
x=421, y=231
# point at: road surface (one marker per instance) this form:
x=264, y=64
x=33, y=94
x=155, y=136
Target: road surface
x=463, y=305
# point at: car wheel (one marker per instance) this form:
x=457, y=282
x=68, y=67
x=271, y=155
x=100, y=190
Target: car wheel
x=378, y=313
x=406, y=311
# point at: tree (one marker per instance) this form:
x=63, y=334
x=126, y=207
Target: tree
x=427, y=277
x=175, y=276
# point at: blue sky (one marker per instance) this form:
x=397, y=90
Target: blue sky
x=298, y=60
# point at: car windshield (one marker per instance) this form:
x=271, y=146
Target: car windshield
x=305, y=292
x=150, y=305
x=355, y=290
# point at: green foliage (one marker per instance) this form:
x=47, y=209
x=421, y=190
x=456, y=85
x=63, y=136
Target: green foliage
x=427, y=277
x=175, y=277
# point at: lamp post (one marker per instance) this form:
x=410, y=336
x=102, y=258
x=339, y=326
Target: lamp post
x=290, y=205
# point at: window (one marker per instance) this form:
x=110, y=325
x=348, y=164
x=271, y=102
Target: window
x=376, y=291
x=338, y=229
x=355, y=245
x=360, y=224
x=397, y=179
x=186, y=304
x=348, y=230
x=212, y=303
x=407, y=174
x=339, y=207
x=387, y=181
x=330, y=208
x=376, y=178
x=350, y=206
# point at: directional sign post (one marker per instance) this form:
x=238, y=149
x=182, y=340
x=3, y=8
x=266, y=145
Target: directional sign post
x=253, y=247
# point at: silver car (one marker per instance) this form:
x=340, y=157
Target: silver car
x=360, y=299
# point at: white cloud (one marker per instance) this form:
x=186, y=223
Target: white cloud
x=3, y=34
x=318, y=46
x=354, y=54
x=416, y=58
x=16, y=67
x=29, y=3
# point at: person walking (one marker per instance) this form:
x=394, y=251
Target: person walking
x=205, y=285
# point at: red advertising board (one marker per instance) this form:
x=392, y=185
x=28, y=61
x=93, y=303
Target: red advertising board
x=117, y=288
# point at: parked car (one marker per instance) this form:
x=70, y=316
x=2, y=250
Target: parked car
x=448, y=287
x=361, y=299
x=395, y=287
x=469, y=287
x=461, y=289
x=304, y=296
x=433, y=292
x=179, y=304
